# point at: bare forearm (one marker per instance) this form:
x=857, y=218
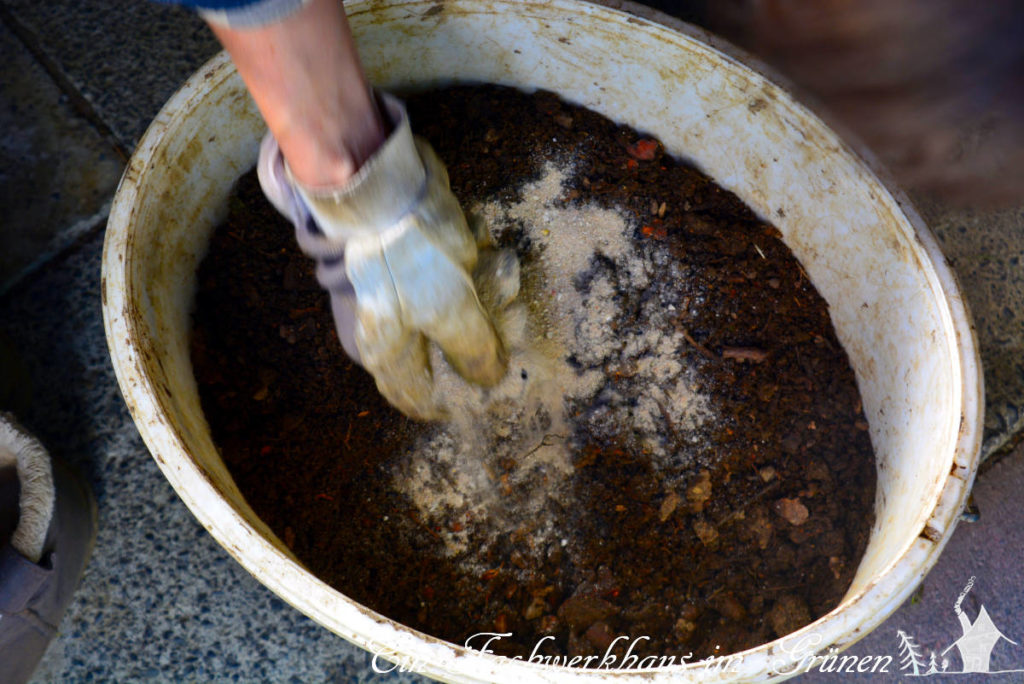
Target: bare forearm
x=307, y=81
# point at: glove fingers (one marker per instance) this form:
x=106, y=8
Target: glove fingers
x=479, y=230
x=469, y=341
x=403, y=376
x=397, y=358
x=496, y=278
x=392, y=351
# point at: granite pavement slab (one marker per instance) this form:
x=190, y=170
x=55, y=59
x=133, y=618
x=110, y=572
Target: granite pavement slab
x=57, y=173
x=160, y=601
x=126, y=57
x=986, y=251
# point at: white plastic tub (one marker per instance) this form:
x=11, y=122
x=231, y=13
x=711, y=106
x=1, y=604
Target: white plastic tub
x=894, y=302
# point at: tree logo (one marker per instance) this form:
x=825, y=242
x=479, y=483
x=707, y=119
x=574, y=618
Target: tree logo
x=974, y=645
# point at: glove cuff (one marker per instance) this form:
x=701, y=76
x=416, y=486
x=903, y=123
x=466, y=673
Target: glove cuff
x=384, y=189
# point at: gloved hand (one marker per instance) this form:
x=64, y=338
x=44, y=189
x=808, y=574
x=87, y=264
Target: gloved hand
x=395, y=253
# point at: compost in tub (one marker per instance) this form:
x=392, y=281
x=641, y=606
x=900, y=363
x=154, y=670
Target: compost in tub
x=678, y=451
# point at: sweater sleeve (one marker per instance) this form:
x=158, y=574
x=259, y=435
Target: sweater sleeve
x=243, y=13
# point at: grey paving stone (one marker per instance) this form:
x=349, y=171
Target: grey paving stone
x=56, y=172
x=986, y=250
x=126, y=56
x=160, y=600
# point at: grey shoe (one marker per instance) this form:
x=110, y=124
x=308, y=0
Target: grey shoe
x=47, y=530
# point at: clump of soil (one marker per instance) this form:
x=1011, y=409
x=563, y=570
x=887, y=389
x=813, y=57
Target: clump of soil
x=678, y=451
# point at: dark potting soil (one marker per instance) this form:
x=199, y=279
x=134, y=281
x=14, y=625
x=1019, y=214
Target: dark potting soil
x=711, y=488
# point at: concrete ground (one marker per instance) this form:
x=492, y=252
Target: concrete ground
x=161, y=601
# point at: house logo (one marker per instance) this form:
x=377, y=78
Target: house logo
x=974, y=646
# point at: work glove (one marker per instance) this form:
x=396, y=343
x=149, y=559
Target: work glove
x=394, y=251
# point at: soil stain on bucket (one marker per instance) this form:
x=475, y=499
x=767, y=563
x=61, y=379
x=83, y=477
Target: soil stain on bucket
x=677, y=455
